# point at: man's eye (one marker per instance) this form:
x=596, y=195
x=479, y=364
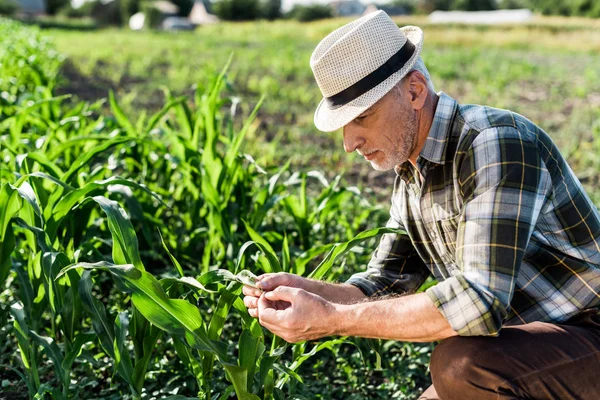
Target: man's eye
x=360, y=118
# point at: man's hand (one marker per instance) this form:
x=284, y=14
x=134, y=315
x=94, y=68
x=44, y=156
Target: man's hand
x=296, y=315
x=268, y=282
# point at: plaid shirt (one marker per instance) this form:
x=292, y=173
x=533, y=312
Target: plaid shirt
x=499, y=219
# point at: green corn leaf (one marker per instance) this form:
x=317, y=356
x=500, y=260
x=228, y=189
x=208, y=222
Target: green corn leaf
x=234, y=148
x=48, y=165
x=291, y=371
x=21, y=332
x=239, y=378
x=173, y=259
x=68, y=201
x=103, y=328
x=10, y=204
x=287, y=372
x=175, y=316
x=185, y=120
x=156, y=117
x=227, y=394
x=151, y=335
x=25, y=287
x=250, y=350
x=285, y=253
x=59, y=148
x=85, y=158
x=75, y=349
x=120, y=116
x=125, y=244
x=342, y=248
x=26, y=192
x=187, y=281
x=50, y=178
x=121, y=328
x=53, y=353
x=52, y=263
x=219, y=316
x=41, y=238
x=265, y=247
x=306, y=257
x=186, y=355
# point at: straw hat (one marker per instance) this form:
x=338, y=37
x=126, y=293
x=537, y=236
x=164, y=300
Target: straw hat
x=357, y=64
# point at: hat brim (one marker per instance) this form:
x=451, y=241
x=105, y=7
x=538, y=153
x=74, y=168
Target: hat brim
x=328, y=120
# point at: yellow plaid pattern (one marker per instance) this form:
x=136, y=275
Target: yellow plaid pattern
x=498, y=217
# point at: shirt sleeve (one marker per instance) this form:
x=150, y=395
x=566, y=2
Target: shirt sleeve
x=395, y=266
x=503, y=184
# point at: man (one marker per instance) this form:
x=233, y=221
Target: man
x=490, y=208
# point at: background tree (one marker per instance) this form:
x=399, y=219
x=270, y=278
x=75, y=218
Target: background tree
x=128, y=8
x=185, y=6
x=270, y=9
x=7, y=7
x=53, y=6
x=410, y=6
x=237, y=10
x=428, y=6
x=474, y=5
x=310, y=12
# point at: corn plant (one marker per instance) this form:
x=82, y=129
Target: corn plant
x=199, y=212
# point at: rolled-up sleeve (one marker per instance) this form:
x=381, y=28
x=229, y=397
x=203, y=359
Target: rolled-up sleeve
x=395, y=266
x=504, y=185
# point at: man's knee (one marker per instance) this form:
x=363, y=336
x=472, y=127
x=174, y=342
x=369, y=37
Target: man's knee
x=457, y=366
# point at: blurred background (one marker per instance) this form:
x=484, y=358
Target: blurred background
x=536, y=57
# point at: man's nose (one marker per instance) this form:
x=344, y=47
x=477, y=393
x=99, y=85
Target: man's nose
x=352, y=140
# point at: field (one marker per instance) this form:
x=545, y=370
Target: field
x=135, y=174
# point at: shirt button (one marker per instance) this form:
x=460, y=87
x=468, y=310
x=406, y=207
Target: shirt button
x=433, y=234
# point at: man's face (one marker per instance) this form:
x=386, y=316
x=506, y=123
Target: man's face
x=386, y=133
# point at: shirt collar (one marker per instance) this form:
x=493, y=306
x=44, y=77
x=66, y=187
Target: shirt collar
x=435, y=146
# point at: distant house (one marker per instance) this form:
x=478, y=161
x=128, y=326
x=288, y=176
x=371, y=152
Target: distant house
x=481, y=17
x=200, y=16
x=31, y=7
x=345, y=8
x=166, y=17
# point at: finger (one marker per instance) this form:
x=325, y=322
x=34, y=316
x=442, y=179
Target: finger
x=251, y=302
x=263, y=276
x=272, y=281
x=253, y=312
x=267, y=311
x=284, y=293
x=250, y=291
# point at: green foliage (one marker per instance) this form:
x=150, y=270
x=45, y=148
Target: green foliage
x=8, y=7
x=312, y=12
x=410, y=6
x=53, y=6
x=474, y=5
x=128, y=8
x=181, y=172
x=428, y=6
x=237, y=10
x=153, y=16
x=270, y=9
x=185, y=6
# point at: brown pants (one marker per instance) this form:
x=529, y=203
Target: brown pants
x=532, y=361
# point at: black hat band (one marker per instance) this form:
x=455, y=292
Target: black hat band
x=391, y=66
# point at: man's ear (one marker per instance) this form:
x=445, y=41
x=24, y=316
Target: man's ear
x=417, y=89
